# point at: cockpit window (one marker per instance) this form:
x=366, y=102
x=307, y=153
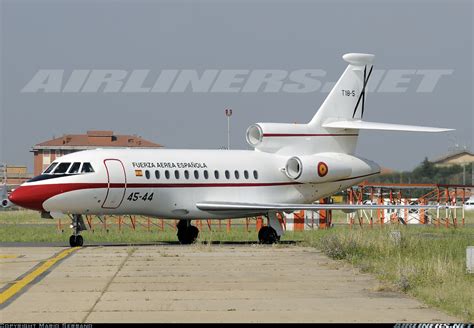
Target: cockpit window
x=62, y=168
x=50, y=168
x=87, y=168
x=74, y=168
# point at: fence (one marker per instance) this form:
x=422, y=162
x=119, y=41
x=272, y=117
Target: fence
x=394, y=194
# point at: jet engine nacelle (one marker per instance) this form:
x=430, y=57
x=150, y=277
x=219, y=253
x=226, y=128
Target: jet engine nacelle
x=329, y=167
x=319, y=168
x=273, y=137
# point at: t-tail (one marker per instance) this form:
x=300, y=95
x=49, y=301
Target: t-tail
x=335, y=126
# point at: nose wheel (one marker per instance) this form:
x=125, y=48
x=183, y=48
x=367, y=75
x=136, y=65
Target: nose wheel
x=78, y=225
x=76, y=241
x=187, y=233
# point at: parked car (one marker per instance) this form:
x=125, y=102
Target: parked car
x=469, y=205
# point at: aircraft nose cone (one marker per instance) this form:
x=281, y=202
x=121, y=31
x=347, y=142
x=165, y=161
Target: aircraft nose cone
x=28, y=197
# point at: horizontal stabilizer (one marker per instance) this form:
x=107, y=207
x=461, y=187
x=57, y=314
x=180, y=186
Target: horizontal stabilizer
x=362, y=125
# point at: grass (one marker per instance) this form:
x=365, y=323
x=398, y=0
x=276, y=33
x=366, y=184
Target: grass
x=425, y=262
x=28, y=226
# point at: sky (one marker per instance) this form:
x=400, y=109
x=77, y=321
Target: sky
x=233, y=35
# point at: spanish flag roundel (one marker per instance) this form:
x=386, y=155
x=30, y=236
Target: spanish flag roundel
x=322, y=169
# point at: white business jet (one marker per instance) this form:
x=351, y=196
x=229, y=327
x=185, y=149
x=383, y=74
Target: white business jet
x=291, y=166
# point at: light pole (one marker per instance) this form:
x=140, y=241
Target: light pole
x=228, y=113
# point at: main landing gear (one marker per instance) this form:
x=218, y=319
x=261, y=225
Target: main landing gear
x=187, y=233
x=270, y=234
x=78, y=225
x=267, y=235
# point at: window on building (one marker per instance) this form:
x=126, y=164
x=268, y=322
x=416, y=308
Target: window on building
x=87, y=168
x=216, y=174
x=246, y=174
x=147, y=174
x=176, y=174
x=74, y=168
x=50, y=168
x=186, y=174
x=255, y=174
x=46, y=157
x=206, y=174
x=62, y=168
x=196, y=174
x=227, y=174
x=167, y=174
x=157, y=174
x=236, y=174
x=57, y=153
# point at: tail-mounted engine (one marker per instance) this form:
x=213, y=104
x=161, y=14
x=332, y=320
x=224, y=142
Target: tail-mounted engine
x=328, y=167
x=318, y=168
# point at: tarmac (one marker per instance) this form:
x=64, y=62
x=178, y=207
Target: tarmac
x=195, y=283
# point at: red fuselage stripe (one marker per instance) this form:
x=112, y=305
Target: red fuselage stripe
x=78, y=186
x=309, y=135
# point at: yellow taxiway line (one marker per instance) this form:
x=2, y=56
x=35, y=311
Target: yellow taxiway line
x=8, y=256
x=22, y=283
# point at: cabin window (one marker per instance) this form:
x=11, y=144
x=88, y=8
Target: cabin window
x=255, y=174
x=167, y=174
x=206, y=174
x=216, y=174
x=147, y=174
x=157, y=174
x=236, y=174
x=186, y=174
x=87, y=168
x=246, y=174
x=74, y=168
x=227, y=174
x=176, y=174
x=50, y=168
x=196, y=174
x=62, y=168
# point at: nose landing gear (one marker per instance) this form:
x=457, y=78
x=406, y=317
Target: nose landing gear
x=78, y=225
x=187, y=233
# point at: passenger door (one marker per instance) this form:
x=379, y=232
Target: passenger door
x=117, y=183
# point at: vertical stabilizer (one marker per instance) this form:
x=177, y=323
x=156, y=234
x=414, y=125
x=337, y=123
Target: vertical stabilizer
x=346, y=101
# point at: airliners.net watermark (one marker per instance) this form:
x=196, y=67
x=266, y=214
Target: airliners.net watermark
x=223, y=81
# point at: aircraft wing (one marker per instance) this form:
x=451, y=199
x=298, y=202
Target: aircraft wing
x=265, y=207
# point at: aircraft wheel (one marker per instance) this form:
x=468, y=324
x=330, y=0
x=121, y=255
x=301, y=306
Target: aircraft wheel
x=194, y=231
x=75, y=241
x=267, y=235
x=188, y=235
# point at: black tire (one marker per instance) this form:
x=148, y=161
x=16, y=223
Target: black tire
x=75, y=241
x=72, y=241
x=182, y=225
x=261, y=233
x=194, y=232
x=268, y=235
x=188, y=235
